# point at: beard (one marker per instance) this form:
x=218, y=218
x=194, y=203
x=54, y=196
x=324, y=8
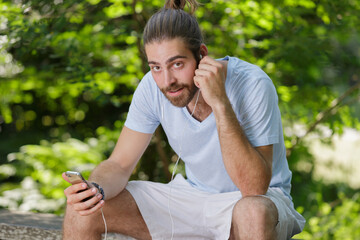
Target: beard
x=184, y=98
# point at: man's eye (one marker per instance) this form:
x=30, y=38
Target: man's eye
x=155, y=68
x=178, y=64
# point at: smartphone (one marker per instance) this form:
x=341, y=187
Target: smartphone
x=76, y=177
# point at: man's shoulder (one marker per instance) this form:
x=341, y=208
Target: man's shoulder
x=147, y=84
x=147, y=79
x=246, y=69
x=246, y=83
x=245, y=75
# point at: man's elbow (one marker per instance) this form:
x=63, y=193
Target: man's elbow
x=254, y=192
x=259, y=188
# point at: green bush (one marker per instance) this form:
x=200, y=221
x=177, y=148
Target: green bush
x=336, y=220
x=40, y=168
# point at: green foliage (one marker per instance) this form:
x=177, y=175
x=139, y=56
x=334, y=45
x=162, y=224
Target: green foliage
x=44, y=164
x=68, y=70
x=338, y=220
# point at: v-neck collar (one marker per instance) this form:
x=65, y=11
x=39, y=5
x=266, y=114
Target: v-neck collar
x=194, y=120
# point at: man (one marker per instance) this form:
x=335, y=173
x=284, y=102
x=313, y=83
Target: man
x=221, y=117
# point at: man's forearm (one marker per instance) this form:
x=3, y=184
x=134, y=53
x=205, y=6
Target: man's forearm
x=111, y=177
x=246, y=166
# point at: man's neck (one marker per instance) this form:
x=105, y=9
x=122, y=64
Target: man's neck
x=202, y=109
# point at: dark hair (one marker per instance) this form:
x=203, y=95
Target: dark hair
x=173, y=22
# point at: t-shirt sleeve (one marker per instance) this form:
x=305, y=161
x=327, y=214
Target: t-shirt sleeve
x=142, y=115
x=259, y=114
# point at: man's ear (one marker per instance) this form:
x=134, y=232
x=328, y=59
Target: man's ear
x=203, y=50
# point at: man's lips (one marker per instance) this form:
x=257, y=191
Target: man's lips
x=175, y=92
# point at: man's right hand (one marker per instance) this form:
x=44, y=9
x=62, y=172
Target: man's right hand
x=77, y=193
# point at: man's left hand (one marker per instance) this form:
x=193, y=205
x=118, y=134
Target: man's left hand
x=210, y=78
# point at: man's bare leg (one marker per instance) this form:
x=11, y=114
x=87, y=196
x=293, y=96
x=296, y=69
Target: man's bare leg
x=254, y=217
x=122, y=216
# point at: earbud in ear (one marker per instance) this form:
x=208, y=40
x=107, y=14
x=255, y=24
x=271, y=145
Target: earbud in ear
x=200, y=56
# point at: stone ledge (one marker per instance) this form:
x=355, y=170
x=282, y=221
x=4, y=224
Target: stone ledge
x=35, y=226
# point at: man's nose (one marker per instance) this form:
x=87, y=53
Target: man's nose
x=169, y=78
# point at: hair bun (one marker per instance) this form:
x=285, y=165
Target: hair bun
x=180, y=4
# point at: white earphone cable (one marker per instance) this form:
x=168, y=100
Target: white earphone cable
x=172, y=176
x=176, y=164
x=103, y=217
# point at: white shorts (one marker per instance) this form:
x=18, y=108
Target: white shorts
x=199, y=215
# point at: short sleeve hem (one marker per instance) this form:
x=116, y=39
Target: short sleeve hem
x=264, y=141
x=139, y=128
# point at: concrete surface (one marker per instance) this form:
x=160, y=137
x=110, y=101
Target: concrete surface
x=35, y=226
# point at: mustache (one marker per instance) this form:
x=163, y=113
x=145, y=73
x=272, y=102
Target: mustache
x=174, y=87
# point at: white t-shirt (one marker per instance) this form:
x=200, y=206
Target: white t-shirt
x=255, y=103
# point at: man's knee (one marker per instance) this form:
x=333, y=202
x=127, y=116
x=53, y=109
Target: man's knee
x=74, y=218
x=76, y=225
x=257, y=208
x=122, y=216
x=254, y=214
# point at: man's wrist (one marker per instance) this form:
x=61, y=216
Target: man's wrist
x=222, y=106
x=101, y=190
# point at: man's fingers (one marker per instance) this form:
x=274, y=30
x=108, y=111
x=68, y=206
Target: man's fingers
x=207, y=68
x=79, y=197
x=208, y=61
x=65, y=177
x=85, y=205
x=89, y=211
x=204, y=73
x=78, y=192
x=210, y=69
x=75, y=188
